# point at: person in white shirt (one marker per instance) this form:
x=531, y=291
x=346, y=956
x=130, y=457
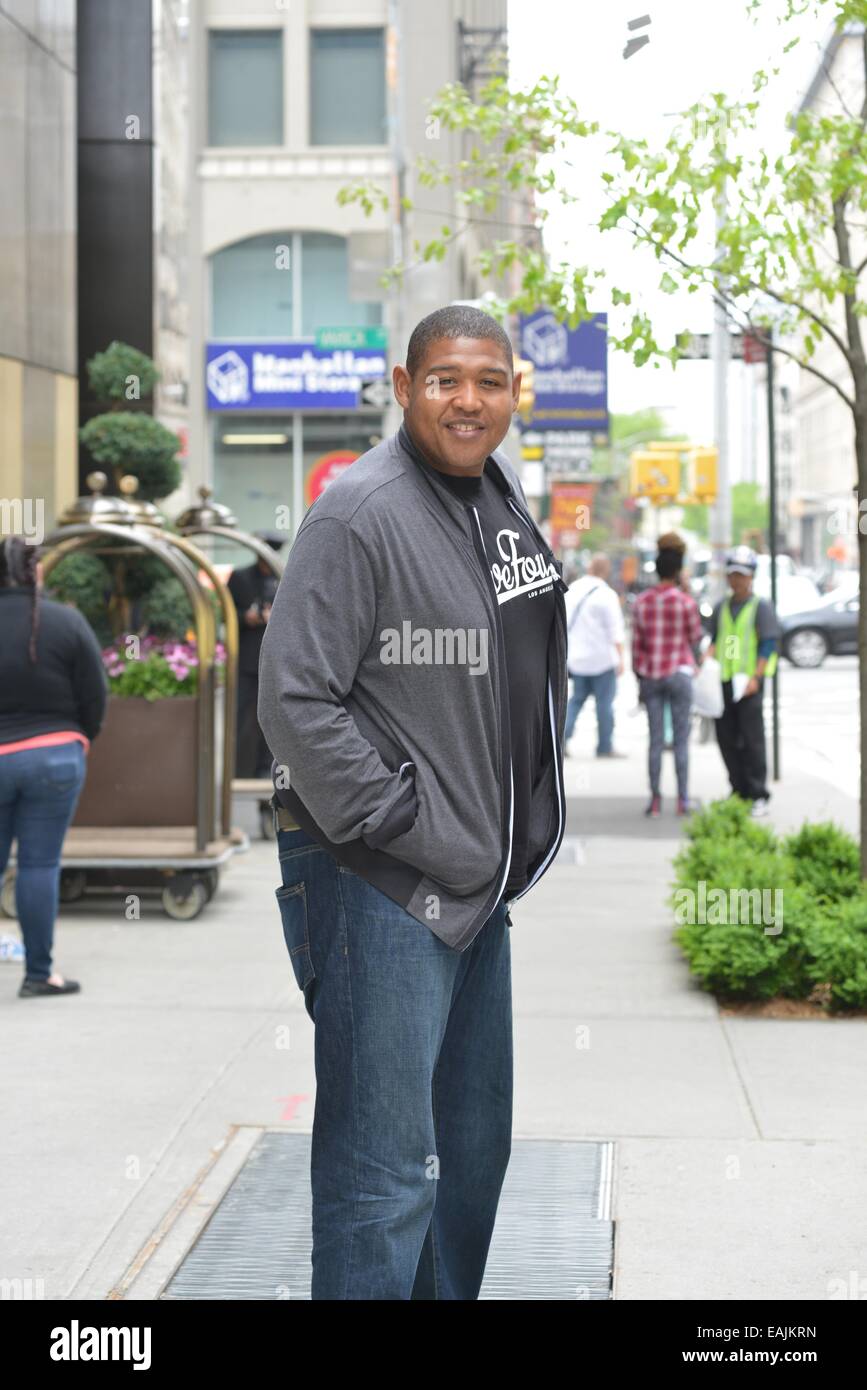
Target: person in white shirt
x=595, y=654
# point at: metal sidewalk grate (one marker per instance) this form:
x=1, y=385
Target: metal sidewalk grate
x=553, y=1238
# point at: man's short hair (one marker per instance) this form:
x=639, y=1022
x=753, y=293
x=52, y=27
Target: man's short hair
x=669, y=562
x=455, y=321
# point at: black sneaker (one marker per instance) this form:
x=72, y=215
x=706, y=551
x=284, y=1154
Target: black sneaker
x=654, y=806
x=31, y=989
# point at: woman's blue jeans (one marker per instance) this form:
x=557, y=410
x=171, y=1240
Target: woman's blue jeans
x=676, y=690
x=413, y=1053
x=39, y=790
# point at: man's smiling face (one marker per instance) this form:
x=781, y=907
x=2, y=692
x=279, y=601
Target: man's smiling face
x=459, y=403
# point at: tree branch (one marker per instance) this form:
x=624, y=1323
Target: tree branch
x=761, y=289
x=772, y=346
x=811, y=314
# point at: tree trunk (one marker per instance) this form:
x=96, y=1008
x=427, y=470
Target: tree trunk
x=861, y=455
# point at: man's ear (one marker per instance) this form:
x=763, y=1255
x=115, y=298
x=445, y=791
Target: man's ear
x=401, y=381
x=516, y=389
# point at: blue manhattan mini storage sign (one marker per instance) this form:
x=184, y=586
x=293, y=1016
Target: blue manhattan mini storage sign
x=571, y=372
x=289, y=376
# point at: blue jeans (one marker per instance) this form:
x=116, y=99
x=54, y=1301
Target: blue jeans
x=413, y=1052
x=603, y=688
x=39, y=790
x=677, y=690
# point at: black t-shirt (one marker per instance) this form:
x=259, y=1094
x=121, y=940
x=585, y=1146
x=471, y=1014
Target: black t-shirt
x=525, y=587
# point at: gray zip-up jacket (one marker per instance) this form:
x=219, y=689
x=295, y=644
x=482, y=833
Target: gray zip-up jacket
x=402, y=770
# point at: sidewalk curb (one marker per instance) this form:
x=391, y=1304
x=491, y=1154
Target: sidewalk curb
x=156, y=1262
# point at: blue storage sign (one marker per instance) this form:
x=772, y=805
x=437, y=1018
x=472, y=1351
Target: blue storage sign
x=288, y=375
x=571, y=372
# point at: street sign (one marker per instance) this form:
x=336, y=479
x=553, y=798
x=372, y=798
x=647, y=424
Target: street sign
x=375, y=393
x=325, y=470
x=375, y=337
x=570, y=377
x=289, y=374
x=754, y=349
x=696, y=347
x=570, y=472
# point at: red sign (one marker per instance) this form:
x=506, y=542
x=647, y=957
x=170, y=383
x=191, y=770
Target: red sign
x=570, y=512
x=754, y=349
x=325, y=470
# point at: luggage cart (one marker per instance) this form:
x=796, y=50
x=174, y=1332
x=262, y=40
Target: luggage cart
x=150, y=850
x=120, y=860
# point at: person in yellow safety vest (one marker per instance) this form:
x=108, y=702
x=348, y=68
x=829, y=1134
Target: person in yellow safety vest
x=744, y=634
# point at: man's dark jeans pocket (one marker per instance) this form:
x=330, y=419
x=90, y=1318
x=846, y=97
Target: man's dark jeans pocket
x=292, y=902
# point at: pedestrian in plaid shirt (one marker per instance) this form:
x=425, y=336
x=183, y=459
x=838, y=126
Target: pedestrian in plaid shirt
x=666, y=633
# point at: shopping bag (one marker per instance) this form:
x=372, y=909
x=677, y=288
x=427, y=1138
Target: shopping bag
x=707, y=691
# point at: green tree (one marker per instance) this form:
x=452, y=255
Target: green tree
x=790, y=256
x=749, y=511
x=130, y=441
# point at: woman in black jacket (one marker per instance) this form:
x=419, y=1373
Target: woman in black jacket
x=52, y=703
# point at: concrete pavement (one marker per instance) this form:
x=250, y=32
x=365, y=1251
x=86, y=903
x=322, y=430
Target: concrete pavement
x=739, y=1141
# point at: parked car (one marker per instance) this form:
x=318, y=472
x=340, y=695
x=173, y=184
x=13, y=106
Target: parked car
x=829, y=628
x=796, y=593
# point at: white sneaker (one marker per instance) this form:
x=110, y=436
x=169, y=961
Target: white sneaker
x=759, y=807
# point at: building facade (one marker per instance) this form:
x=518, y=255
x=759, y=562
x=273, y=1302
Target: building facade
x=38, y=358
x=823, y=507
x=292, y=335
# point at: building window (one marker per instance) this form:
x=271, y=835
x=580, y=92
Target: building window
x=251, y=289
x=285, y=285
x=325, y=301
x=262, y=463
x=245, y=87
x=347, y=87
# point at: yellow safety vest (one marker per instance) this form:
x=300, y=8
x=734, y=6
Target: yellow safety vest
x=737, y=642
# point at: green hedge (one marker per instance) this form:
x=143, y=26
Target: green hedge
x=760, y=915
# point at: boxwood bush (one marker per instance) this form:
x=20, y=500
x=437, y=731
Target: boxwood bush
x=735, y=944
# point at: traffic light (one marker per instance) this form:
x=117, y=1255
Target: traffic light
x=702, y=474
x=527, y=393
x=655, y=474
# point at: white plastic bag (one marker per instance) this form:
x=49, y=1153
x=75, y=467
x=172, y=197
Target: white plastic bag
x=707, y=691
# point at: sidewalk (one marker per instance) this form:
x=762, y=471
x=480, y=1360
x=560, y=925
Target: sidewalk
x=739, y=1142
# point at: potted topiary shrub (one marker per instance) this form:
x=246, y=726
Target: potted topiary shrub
x=142, y=767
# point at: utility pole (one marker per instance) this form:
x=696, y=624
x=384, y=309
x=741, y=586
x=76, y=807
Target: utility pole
x=721, y=514
x=772, y=543
x=395, y=67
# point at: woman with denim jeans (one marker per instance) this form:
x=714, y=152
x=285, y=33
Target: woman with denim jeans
x=665, y=640
x=52, y=703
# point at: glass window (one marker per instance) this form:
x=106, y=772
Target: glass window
x=325, y=287
x=347, y=87
x=245, y=87
x=251, y=288
x=253, y=470
x=330, y=443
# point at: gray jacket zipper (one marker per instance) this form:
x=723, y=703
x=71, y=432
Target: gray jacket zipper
x=500, y=640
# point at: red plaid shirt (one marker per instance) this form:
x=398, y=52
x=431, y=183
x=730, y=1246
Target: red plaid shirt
x=665, y=623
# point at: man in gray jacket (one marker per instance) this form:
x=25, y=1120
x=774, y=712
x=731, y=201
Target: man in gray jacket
x=413, y=694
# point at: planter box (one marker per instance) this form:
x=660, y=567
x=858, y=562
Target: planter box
x=141, y=768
